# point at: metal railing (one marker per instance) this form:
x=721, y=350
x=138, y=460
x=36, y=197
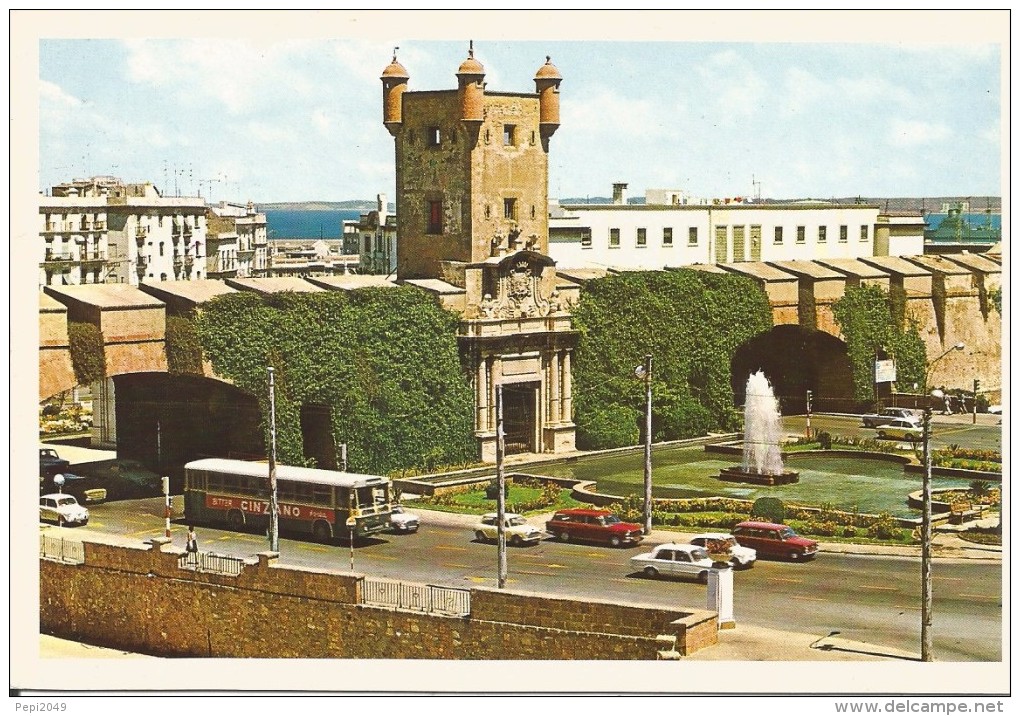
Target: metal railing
x=211, y=562
x=61, y=550
x=426, y=598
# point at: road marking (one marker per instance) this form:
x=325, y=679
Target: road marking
x=599, y=555
x=453, y=549
x=885, y=589
x=461, y=566
x=785, y=579
x=142, y=533
x=982, y=597
x=810, y=599
x=380, y=556
x=540, y=574
x=313, y=548
x=557, y=566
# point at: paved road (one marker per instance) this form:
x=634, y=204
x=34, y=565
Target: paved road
x=946, y=429
x=868, y=598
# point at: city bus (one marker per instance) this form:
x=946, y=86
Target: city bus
x=312, y=502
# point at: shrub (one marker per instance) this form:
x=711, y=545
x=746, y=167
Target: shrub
x=825, y=440
x=769, y=509
x=884, y=527
x=88, y=354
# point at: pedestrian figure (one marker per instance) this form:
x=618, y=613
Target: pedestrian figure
x=192, y=546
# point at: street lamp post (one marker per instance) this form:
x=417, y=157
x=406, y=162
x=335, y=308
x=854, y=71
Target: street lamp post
x=274, y=526
x=645, y=372
x=501, y=567
x=927, y=638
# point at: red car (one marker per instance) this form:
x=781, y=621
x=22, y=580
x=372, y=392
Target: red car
x=774, y=540
x=593, y=525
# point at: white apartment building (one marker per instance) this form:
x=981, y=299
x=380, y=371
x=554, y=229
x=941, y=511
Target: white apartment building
x=375, y=234
x=237, y=241
x=656, y=236
x=101, y=230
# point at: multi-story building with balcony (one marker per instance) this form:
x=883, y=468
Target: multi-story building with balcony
x=374, y=237
x=237, y=240
x=101, y=230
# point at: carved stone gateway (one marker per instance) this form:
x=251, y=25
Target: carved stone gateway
x=517, y=333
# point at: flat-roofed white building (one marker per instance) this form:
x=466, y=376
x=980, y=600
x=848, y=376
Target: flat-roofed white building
x=656, y=236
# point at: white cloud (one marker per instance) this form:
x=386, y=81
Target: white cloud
x=53, y=95
x=734, y=86
x=908, y=133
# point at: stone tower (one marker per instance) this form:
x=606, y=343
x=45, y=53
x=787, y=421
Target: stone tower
x=472, y=169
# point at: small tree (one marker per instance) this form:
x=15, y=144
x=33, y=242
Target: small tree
x=770, y=509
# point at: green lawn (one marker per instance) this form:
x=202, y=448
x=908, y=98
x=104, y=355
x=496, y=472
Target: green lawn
x=476, y=503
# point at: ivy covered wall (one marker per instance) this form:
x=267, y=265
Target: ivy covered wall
x=870, y=322
x=384, y=361
x=691, y=322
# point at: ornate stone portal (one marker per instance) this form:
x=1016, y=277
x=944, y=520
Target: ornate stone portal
x=520, y=336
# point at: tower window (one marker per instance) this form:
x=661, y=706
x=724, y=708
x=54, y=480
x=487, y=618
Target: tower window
x=433, y=137
x=435, y=223
x=509, y=135
x=488, y=211
x=510, y=209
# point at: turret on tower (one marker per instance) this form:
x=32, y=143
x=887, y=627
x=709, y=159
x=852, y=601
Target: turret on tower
x=547, y=85
x=471, y=88
x=394, y=79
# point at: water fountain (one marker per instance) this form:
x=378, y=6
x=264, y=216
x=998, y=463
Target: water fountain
x=763, y=461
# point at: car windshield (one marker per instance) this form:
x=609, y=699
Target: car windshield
x=62, y=501
x=516, y=521
x=610, y=520
x=699, y=554
x=787, y=533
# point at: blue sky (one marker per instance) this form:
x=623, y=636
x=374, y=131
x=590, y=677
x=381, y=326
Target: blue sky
x=280, y=118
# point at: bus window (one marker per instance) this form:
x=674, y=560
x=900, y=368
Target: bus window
x=322, y=495
x=379, y=495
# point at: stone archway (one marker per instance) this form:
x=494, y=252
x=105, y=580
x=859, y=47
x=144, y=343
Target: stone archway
x=796, y=360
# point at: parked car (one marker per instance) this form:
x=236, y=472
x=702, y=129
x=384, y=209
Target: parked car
x=901, y=430
x=887, y=415
x=85, y=489
x=403, y=521
x=517, y=529
x=50, y=463
x=593, y=525
x=123, y=479
x=995, y=409
x=674, y=559
x=722, y=543
x=62, y=509
x=770, y=539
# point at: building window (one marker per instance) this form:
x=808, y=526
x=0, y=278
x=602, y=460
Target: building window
x=614, y=238
x=779, y=235
x=822, y=230
x=435, y=223
x=488, y=211
x=510, y=209
x=368, y=244
x=160, y=248
x=864, y=233
x=586, y=238
x=642, y=237
x=532, y=211
x=667, y=236
x=433, y=137
x=162, y=277
x=509, y=135
x=800, y=235
x=692, y=236
x=842, y=234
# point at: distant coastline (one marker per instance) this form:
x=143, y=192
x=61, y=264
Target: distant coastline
x=349, y=205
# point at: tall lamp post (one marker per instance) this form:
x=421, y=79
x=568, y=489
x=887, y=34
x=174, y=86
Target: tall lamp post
x=927, y=639
x=501, y=567
x=644, y=372
x=274, y=525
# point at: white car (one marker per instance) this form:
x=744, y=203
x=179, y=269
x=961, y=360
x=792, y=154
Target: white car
x=674, y=559
x=518, y=531
x=995, y=409
x=723, y=543
x=402, y=521
x=900, y=430
x=62, y=509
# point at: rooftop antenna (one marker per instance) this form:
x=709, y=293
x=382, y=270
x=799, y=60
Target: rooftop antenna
x=757, y=189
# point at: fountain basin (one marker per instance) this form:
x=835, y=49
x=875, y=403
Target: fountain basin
x=739, y=474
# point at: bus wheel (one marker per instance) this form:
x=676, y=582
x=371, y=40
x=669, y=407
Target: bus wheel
x=235, y=520
x=321, y=531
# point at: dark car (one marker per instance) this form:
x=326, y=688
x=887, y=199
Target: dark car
x=87, y=490
x=769, y=539
x=593, y=525
x=123, y=479
x=50, y=463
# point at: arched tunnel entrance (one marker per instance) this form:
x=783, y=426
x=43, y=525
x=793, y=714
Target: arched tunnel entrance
x=796, y=360
x=165, y=420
